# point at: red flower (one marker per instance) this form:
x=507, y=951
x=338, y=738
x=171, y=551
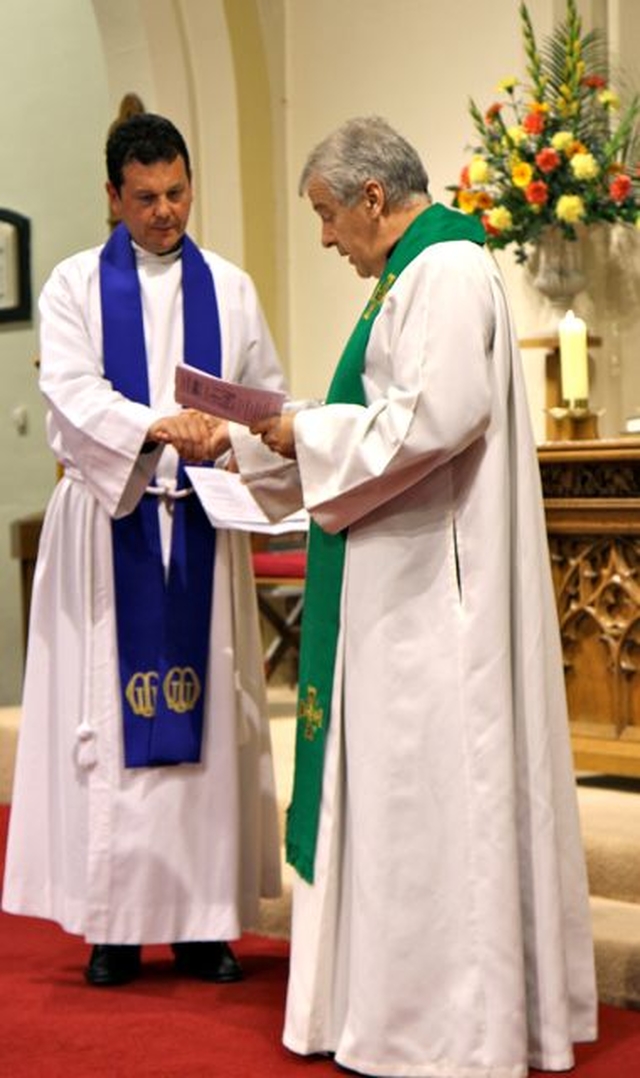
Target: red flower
x=594, y=82
x=489, y=229
x=534, y=123
x=620, y=187
x=464, y=177
x=547, y=160
x=537, y=193
x=492, y=112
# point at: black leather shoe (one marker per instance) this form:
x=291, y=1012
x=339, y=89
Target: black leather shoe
x=208, y=961
x=113, y=964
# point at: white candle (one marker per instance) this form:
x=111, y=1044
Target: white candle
x=574, y=369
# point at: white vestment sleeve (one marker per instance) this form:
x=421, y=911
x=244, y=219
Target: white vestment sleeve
x=273, y=480
x=95, y=432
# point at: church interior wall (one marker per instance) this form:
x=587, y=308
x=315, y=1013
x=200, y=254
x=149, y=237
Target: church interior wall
x=55, y=112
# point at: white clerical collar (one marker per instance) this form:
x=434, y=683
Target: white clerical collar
x=149, y=258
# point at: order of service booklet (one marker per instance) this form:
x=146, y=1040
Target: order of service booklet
x=227, y=400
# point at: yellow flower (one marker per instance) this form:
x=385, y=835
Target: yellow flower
x=500, y=218
x=561, y=140
x=479, y=171
x=505, y=86
x=521, y=174
x=516, y=134
x=584, y=166
x=609, y=99
x=467, y=201
x=637, y=221
x=570, y=208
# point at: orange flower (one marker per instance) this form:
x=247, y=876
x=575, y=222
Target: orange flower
x=547, y=160
x=493, y=111
x=534, y=123
x=484, y=200
x=537, y=193
x=576, y=147
x=620, y=187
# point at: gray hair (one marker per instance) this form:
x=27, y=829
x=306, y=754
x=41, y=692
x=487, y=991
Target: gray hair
x=366, y=148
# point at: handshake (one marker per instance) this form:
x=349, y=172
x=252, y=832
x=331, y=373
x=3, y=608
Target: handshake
x=195, y=435
x=198, y=436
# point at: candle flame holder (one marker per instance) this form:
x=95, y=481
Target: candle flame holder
x=575, y=421
x=565, y=420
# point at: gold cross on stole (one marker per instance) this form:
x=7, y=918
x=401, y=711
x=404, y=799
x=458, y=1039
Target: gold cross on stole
x=310, y=714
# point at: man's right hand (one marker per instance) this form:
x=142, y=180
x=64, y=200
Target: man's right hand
x=195, y=435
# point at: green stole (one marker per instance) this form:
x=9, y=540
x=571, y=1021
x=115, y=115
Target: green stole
x=325, y=557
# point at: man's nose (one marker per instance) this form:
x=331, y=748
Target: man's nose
x=328, y=238
x=162, y=207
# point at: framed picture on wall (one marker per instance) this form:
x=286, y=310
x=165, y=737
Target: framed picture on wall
x=15, y=267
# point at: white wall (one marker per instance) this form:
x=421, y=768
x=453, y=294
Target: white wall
x=52, y=127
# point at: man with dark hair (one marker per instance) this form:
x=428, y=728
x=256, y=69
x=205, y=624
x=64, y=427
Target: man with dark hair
x=144, y=806
x=440, y=918
x=146, y=138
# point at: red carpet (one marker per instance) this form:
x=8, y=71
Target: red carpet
x=54, y=1026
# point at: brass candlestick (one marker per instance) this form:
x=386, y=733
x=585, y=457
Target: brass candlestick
x=575, y=421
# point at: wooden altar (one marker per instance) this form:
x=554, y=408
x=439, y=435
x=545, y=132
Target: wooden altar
x=592, y=505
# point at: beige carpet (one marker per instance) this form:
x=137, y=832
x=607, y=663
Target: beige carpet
x=275, y=914
x=610, y=821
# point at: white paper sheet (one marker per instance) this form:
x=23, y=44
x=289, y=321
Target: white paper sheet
x=228, y=503
x=227, y=400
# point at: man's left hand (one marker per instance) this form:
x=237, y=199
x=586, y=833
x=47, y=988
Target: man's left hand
x=277, y=433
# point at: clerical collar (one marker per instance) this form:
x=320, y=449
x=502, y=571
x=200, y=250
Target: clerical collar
x=164, y=259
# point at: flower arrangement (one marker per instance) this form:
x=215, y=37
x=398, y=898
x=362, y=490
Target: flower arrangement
x=558, y=150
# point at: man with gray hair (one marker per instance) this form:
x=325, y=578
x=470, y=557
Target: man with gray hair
x=440, y=919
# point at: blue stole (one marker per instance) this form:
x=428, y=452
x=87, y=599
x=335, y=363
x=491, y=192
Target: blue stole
x=162, y=621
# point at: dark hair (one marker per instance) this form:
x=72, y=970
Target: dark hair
x=146, y=138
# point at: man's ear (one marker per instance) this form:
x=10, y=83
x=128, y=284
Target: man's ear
x=374, y=197
x=113, y=196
